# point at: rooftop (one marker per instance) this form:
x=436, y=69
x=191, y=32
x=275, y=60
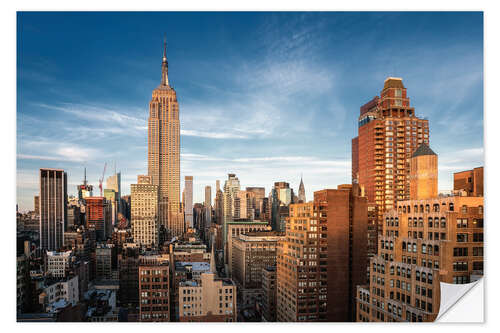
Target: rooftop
x=393, y=82
x=423, y=150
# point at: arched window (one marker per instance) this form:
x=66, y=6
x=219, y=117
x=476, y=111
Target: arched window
x=424, y=248
x=436, y=249
x=436, y=222
x=421, y=208
x=409, y=209
x=396, y=221
x=436, y=208
x=443, y=222
x=415, y=209
x=404, y=246
x=427, y=208
x=464, y=209
x=452, y=208
x=429, y=224
x=420, y=222
x=404, y=209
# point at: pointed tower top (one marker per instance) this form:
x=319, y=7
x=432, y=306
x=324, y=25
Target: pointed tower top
x=164, y=64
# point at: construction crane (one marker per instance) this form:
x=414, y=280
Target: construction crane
x=102, y=178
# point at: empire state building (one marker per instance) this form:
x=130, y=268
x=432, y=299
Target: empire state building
x=164, y=152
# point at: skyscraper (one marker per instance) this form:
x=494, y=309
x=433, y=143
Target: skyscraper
x=219, y=205
x=388, y=134
x=208, y=206
x=164, y=151
x=208, y=196
x=53, y=208
x=231, y=187
x=188, y=209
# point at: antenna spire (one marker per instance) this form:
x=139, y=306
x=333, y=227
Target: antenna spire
x=164, y=64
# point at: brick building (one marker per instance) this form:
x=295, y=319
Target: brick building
x=323, y=257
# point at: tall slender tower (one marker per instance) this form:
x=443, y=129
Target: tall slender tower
x=164, y=151
x=188, y=201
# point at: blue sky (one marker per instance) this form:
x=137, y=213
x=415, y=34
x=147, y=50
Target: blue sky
x=267, y=96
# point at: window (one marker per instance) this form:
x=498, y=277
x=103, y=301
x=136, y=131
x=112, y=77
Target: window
x=460, y=266
x=462, y=223
x=460, y=252
x=462, y=238
x=477, y=251
x=477, y=237
x=477, y=265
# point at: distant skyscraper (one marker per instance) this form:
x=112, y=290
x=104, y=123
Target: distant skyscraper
x=85, y=189
x=219, y=205
x=53, y=208
x=188, y=188
x=98, y=215
x=37, y=204
x=208, y=206
x=114, y=183
x=164, y=151
x=257, y=201
x=231, y=187
x=208, y=196
x=302, y=191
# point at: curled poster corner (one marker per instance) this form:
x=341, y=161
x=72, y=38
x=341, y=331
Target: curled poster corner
x=461, y=302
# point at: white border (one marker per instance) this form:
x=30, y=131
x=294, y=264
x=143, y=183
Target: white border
x=8, y=131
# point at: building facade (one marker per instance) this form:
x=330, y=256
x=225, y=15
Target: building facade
x=269, y=294
x=144, y=213
x=154, y=291
x=232, y=230
x=252, y=252
x=470, y=181
x=211, y=299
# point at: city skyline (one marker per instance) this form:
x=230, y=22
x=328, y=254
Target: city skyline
x=247, y=109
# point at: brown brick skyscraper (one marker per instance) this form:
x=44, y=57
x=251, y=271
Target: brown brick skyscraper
x=388, y=134
x=164, y=152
